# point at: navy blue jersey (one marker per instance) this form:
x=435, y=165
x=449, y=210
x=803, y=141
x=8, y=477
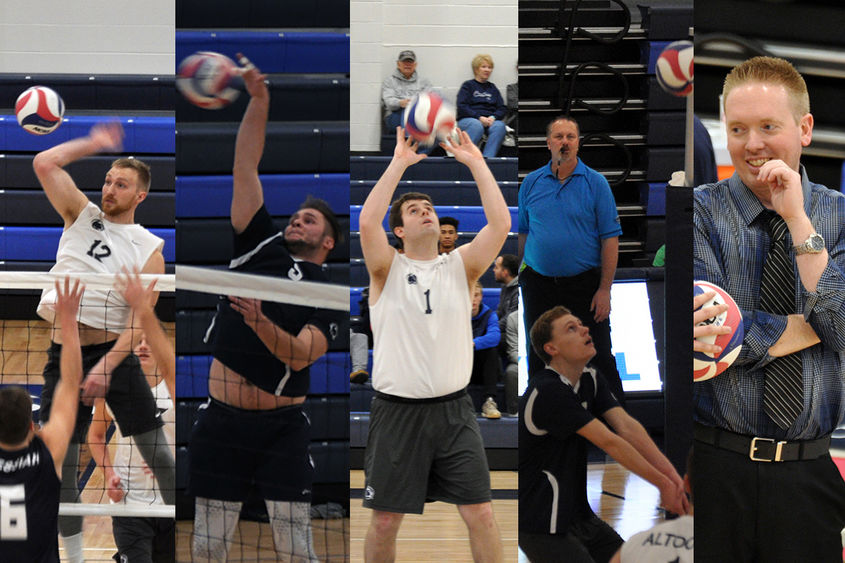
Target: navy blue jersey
x=29, y=504
x=260, y=249
x=552, y=456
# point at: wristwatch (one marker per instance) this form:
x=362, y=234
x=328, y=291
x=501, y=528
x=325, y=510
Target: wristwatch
x=813, y=245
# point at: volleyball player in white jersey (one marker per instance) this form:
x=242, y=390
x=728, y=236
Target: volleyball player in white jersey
x=102, y=241
x=420, y=311
x=127, y=479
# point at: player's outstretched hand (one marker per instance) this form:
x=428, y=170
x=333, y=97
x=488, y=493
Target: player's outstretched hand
x=133, y=290
x=108, y=136
x=254, y=81
x=406, y=149
x=466, y=152
x=250, y=310
x=674, y=499
x=702, y=315
x=114, y=489
x=67, y=299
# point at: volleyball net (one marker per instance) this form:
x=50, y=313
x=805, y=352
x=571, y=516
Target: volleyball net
x=248, y=440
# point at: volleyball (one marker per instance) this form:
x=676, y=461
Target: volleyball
x=206, y=80
x=39, y=110
x=674, y=68
x=429, y=117
x=707, y=366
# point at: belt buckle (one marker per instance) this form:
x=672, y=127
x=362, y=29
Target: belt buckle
x=753, y=450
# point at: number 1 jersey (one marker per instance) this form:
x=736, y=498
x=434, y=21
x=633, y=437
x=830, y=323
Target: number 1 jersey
x=422, y=329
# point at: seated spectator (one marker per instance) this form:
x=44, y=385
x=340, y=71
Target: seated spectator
x=399, y=89
x=485, y=357
x=512, y=116
x=506, y=272
x=512, y=364
x=448, y=235
x=481, y=107
x=360, y=341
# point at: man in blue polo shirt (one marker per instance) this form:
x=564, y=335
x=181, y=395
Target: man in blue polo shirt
x=569, y=243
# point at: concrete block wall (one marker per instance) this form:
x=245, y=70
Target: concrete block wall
x=445, y=37
x=82, y=36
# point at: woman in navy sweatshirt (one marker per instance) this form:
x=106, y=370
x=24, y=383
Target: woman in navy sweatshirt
x=481, y=107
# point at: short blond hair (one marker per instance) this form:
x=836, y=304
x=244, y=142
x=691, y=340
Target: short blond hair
x=771, y=70
x=141, y=168
x=478, y=60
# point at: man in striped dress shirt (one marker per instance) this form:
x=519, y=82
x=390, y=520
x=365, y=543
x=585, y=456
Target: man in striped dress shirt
x=762, y=454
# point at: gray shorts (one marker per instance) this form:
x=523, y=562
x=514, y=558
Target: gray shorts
x=423, y=451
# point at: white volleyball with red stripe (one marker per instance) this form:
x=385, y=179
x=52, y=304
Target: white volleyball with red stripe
x=706, y=366
x=429, y=117
x=674, y=68
x=207, y=80
x=39, y=110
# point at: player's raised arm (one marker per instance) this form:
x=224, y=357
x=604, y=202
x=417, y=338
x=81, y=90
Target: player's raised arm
x=142, y=300
x=377, y=251
x=97, y=381
x=49, y=165
x=487, y=244
x=57, y=431
x=247, y=195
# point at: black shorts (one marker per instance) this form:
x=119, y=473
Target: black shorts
x=423, y=451
x=586, y=541
x=145, y=539
x=232, y=450
x=129, y=396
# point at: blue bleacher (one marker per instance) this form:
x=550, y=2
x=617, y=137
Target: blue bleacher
x=329, y=375
x=273, y=51
x=434, y=168
x=470, y=218
x=144, y=134
x=211, y=196
x=41, y=243
x=453, y=192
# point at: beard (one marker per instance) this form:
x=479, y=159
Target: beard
x=299, y=246
x=113, y=208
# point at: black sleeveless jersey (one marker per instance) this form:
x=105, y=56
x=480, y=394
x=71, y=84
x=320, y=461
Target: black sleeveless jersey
x=29, y=505
x=260, y=249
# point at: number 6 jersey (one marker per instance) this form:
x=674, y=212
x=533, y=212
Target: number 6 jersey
x=29, y=504
x=421, y=328
x=94, y=245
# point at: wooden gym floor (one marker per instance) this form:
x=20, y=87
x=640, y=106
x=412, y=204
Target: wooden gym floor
x=440, y=535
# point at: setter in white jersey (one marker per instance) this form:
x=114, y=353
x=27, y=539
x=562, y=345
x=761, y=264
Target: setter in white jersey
x=420, y=309
x=102, y=241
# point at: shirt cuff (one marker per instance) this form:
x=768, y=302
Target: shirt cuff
x=762, y=330
x=829, y=297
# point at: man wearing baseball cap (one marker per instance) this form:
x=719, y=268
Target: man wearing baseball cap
x=400, y=87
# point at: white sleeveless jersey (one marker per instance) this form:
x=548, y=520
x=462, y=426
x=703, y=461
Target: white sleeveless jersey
x=137, y=480
x=421, y=328
x=94, y=245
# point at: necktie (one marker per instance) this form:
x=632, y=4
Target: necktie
x=783, y=394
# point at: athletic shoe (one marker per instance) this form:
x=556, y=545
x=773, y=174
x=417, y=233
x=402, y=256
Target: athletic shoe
x=489, y=409
x=359, y=376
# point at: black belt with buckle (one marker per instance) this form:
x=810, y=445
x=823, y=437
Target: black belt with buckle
x=762, y=449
